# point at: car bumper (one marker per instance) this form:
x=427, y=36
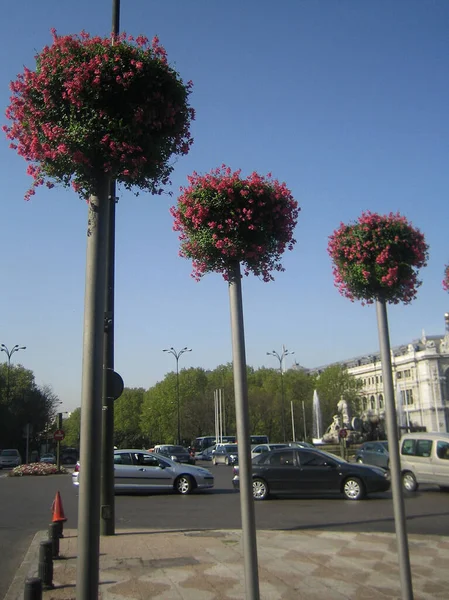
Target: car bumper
x=206, y=483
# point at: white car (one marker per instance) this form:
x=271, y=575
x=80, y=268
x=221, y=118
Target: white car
x=261, y=448
x=139, y=470
x=10, y=458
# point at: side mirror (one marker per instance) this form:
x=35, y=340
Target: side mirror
x=162, y=465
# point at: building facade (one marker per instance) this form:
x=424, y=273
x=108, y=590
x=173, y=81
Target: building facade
x=420, y=379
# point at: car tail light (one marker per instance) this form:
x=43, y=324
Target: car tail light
x=77, y=468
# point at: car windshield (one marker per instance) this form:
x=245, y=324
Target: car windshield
x=384, y=444
x=174, y=449
x=9, y=453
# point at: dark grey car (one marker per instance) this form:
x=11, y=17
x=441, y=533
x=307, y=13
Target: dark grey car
x=374, y=453
x=176, y=453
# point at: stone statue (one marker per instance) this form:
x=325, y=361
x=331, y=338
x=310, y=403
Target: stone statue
x=345, y=411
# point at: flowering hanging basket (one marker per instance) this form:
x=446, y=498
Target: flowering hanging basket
x=95, y=105
x=224, y=218
x=377, y=258
x=446, y=279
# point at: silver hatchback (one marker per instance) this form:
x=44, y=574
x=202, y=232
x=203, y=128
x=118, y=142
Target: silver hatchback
x=138, y=470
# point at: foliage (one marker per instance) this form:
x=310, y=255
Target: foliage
x=93, y=105
x=377, y=258
x=25, y=404
x=223, y=218
x=446, y=279
x=127, y=411
x=37, y=469
x=72, y=429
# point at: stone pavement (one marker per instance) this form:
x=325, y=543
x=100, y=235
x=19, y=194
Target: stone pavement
x=208, y=565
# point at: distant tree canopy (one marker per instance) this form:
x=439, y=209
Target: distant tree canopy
x=24, y=406
x=143, y=418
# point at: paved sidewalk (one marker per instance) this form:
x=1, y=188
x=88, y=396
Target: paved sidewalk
x=208, y=565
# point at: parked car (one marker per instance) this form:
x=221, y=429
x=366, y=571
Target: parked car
x=10, y=458
x=48, y=458
x=225, y=454
x=261, y=448
x=303, y=470
x=139, y=470
x=425, y=459
x=301, y=444
x=69, y=456
x=176, y=453
x=374, y=453
x=205, y=454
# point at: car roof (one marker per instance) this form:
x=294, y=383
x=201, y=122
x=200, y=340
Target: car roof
x=423, y=435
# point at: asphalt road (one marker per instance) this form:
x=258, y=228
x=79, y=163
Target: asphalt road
x=25, y=507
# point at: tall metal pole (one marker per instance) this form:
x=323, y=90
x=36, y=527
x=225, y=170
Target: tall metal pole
x=393, y=447
x=177, y=356
x=177, y=399
x=304, y=420
x=243, y=435
x=107, y=514
x=293, y=422
x=91, y=401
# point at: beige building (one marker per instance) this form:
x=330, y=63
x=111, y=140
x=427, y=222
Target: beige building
x=420, y=378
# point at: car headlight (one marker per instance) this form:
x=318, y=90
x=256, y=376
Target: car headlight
x=175, y=458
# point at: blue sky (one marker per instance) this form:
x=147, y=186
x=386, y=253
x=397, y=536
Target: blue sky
x=346, y=101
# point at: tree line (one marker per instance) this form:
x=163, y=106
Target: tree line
x=143, y=418
x=26, y=409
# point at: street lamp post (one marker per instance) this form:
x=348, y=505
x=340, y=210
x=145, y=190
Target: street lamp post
x=177, y=356
x=9, y=353
x=280, y=358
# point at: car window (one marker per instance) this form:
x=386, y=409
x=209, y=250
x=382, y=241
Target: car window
x=312, y=459
x=408, y=447
x=423, y=447
x=443, y=450
x=123, y=459
x=282, y=459
x=231, y=448
x=368, y=447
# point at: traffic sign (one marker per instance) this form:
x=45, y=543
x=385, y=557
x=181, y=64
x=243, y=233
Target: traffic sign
x=343, y=433
x=58, y=435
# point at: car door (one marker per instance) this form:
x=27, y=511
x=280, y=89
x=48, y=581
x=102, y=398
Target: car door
x=148, y=472
x=318, y=472
x=440, y=461
x=124, y=474
x=280, y=470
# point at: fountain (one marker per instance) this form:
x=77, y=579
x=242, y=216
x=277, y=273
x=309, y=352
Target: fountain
x=317, y=422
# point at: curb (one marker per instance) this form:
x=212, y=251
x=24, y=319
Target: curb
x=28, y=568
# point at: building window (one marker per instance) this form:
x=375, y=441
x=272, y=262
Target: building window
x=364, y=403
x=372, y=403
x=381, y=401
x=407, y=397
x=399, y=375
x=407, y=373
x=377, y=379
x=381, y=379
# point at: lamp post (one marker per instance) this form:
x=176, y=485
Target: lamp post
x=9, y=353
x=177, y=356
x=280, y=358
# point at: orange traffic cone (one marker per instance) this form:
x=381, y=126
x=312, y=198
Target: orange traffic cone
x=57, y=509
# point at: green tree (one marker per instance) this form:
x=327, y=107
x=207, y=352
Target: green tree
x=127, y=416
x=333, y=384
x=72, y=427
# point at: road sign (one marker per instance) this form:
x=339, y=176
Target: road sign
x=58, y=435
x=343, y=433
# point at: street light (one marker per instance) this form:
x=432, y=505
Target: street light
x=9, y=353
x=177, y=355
x=280, y=358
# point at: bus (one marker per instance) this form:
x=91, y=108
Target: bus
x=201, y=443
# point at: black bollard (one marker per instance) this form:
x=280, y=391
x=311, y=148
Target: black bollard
x=33, y=589
x=53, y=536
x=45, y=569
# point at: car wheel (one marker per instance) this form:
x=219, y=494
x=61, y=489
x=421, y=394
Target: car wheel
x=359, y=460
x=214, y=462
x=353, y=489
x=184, y=485
x=260, y=489
x=409, y=481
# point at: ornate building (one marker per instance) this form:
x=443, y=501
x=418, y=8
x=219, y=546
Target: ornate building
x=420, y=377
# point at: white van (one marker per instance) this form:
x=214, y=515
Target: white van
x=425, y=459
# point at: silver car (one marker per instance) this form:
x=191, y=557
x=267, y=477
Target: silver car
x=10, y=458
x=226, y=454
x=138, y=470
